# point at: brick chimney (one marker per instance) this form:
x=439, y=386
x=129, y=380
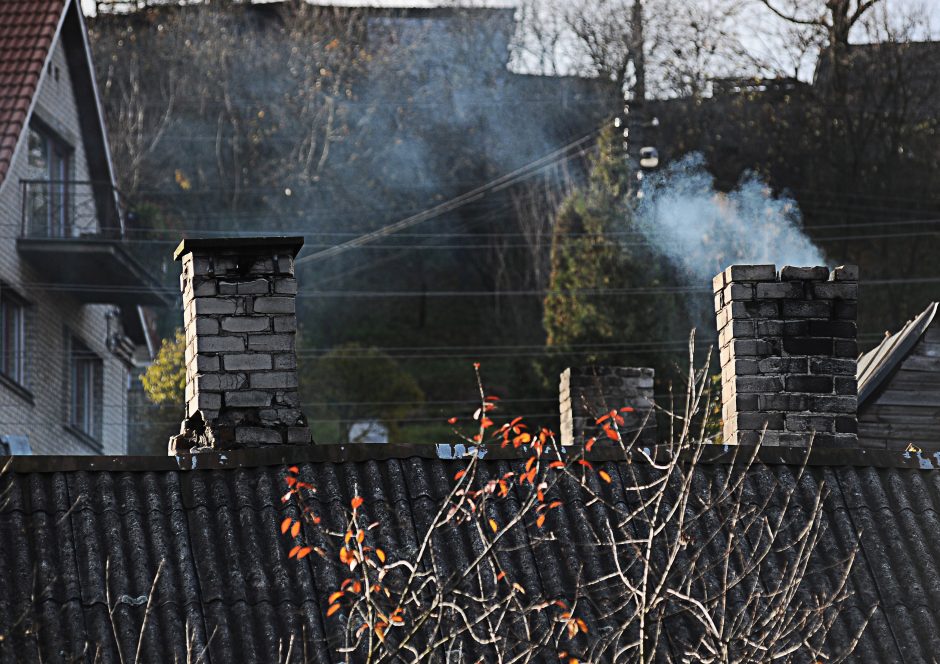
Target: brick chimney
x=585, y=393
x=241, y=367
x=788, y=354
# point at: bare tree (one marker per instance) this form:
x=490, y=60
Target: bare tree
x=656, y=558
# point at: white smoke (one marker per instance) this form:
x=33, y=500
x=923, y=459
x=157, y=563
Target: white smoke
x=702, y=230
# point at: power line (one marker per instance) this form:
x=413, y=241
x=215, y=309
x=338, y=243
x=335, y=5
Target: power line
x=459, y=201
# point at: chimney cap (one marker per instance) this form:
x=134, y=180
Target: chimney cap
x=238, y=244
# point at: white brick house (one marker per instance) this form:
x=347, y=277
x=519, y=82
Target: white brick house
x=70, y=294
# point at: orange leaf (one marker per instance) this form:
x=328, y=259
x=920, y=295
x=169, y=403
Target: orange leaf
x=293, y=552
x=604, y=475
x=590, y=444
x=586, y=464
x=452, y=420
x=603, y=418
x=491, y=399
x=335, y=596
x=380, y=555
x=501, y=576
x=557, y=464
x=293, y=469
x=460, y=473
x=361, y=535
x=357, y=502
x=333, y=609
x=286, y=496
x=303, y=552
x=493, y=525
x=285, y=524
x=611, y=433
x=626, y=409
x=540, y=521
x=295, y=529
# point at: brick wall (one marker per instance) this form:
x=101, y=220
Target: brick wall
x=585, y=393
x=241, y=365
x=788, y=353
x=42, y=412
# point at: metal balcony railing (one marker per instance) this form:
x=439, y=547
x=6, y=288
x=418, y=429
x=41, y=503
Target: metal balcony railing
x=70, y=209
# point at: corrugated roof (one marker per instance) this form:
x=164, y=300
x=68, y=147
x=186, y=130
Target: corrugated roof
x=83, y=539
x=27, y=31
x=877, y=364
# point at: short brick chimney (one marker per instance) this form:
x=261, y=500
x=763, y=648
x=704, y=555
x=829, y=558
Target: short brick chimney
x=586, y=393
x=788, y=354
x=241, y=366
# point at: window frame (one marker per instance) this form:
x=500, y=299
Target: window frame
x=56, y=198
x=9, y=299
x=85, y=385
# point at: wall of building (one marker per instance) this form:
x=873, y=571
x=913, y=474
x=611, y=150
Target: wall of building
x=52, y=315
x=906, y=409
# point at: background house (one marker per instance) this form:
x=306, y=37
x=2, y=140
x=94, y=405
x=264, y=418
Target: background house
x=69, y=293
x=899, y=387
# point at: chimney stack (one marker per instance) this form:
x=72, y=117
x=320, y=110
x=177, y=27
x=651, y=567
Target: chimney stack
x=788, y=354
x=586, y=393
x=240, y=321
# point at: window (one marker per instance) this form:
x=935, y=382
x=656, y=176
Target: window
x=48, y=195
x=13, y=357
x=85, y=382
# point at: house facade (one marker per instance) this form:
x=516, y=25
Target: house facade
x=70, y=293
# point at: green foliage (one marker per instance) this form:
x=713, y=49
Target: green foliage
x=165, y=379
x=353, y=383
x=589, y=260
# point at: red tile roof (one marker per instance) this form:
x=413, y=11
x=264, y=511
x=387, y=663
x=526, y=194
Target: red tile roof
x=27, y=30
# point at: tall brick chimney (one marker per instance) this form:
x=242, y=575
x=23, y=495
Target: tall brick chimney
x=788, y=354
x=241, y=366
x=585, y=393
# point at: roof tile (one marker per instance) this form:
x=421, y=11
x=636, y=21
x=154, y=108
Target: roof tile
x=27, y=29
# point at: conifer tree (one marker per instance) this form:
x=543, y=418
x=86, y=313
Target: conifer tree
x=600, y=268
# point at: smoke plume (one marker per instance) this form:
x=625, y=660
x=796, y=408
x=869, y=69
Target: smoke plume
x=702, y=230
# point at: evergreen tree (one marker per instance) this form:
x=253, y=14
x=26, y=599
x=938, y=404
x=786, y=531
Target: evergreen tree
x=597, y=259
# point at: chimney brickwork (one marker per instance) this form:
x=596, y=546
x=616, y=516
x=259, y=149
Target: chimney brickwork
x=241, y=365
x=788, y=354
x=585, y=393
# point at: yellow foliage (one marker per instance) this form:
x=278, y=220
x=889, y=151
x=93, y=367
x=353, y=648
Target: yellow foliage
x=165, y=379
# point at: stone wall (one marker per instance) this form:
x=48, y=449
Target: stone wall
x=586, y=393
x=788, y=354
x=241, y=365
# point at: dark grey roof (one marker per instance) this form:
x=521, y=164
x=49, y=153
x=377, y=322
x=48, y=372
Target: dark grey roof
x=876, y=365
x=81, y=534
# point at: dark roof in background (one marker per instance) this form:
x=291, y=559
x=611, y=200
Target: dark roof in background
x=81, y=534
x=875, y=366
x=27, y=31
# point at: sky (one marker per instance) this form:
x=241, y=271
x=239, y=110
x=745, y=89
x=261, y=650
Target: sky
x=747, y=36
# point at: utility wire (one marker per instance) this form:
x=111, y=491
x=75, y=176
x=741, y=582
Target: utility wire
x=459, y=201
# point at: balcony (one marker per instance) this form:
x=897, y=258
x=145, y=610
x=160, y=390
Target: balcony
x=72, y=233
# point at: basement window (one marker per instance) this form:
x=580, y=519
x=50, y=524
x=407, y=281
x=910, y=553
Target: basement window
x=13, y=359
x=85, y=381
